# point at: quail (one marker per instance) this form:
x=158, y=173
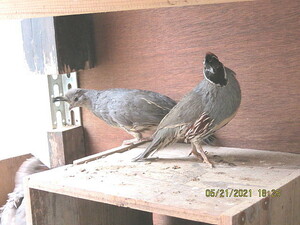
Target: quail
x=135, y=111
x=13, y=212
x=207, y=108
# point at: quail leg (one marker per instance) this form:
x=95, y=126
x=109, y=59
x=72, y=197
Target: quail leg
x=194, y=151
x=138, y=138
x=200, y=151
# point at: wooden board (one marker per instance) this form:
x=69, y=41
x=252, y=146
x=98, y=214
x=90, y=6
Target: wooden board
x=58, y=45
x=65, y=145
x=74, y=211
x=170, y=220
x=12, y=9
x=176, y=185
x=120, y=149
x=162, y=50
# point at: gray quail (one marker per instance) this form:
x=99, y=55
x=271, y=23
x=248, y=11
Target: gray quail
x=207, y=108
x=135, y=111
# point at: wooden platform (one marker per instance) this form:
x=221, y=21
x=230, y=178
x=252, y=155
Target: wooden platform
x=177, y=185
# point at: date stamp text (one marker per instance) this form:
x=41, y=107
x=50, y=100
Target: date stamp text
x=241, y=193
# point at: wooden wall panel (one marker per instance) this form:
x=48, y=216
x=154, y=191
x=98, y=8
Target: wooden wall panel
x=162, y=50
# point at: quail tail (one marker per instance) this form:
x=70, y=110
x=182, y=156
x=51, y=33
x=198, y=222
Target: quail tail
x=160, y=140
x=150, y=149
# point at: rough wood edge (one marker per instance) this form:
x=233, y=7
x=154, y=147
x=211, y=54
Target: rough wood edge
x=27, y=200
x=237, y=214
x=231, y=216
x=63, y=129
x=99, y=155
x=65, y=145
x=127, y=203
x=12, y=9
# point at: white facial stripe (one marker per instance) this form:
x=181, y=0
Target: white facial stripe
x=210, y=69
x=225, y=74
x=207, y=78
x=213, y=56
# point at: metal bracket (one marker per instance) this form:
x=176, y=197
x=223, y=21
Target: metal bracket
x=61, y=116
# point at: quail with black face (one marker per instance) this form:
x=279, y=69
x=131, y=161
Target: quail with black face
x=207, y=108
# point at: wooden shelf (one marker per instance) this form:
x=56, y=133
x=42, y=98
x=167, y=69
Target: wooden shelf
x=175, y=185
x=15, y=9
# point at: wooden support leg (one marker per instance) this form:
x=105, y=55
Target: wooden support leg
x=49, y=208
x=66, y=145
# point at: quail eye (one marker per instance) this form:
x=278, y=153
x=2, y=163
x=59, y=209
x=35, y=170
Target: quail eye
x=75, y=99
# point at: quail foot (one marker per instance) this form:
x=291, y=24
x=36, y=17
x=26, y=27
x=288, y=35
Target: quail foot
x=207, y=108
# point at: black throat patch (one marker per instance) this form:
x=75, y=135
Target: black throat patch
x=216, y=76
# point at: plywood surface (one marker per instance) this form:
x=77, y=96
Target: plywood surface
x=176, y=184
x=162, y=50
x=50, y=208
x=12, y=9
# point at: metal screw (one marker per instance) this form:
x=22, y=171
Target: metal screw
x=242, y=218
x=265, y=203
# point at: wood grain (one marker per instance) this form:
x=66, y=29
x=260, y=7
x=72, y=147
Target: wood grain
x=162, y=50
x=175, y=185
x=169, y=220
x=74, y=43
x=48, y=209
x=99, y=155
x=279, y=210
x=13, y=9
x=65, y=145
x=58, y=45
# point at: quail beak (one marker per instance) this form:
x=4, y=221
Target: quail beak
x=60, y=98
x=63, y=99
